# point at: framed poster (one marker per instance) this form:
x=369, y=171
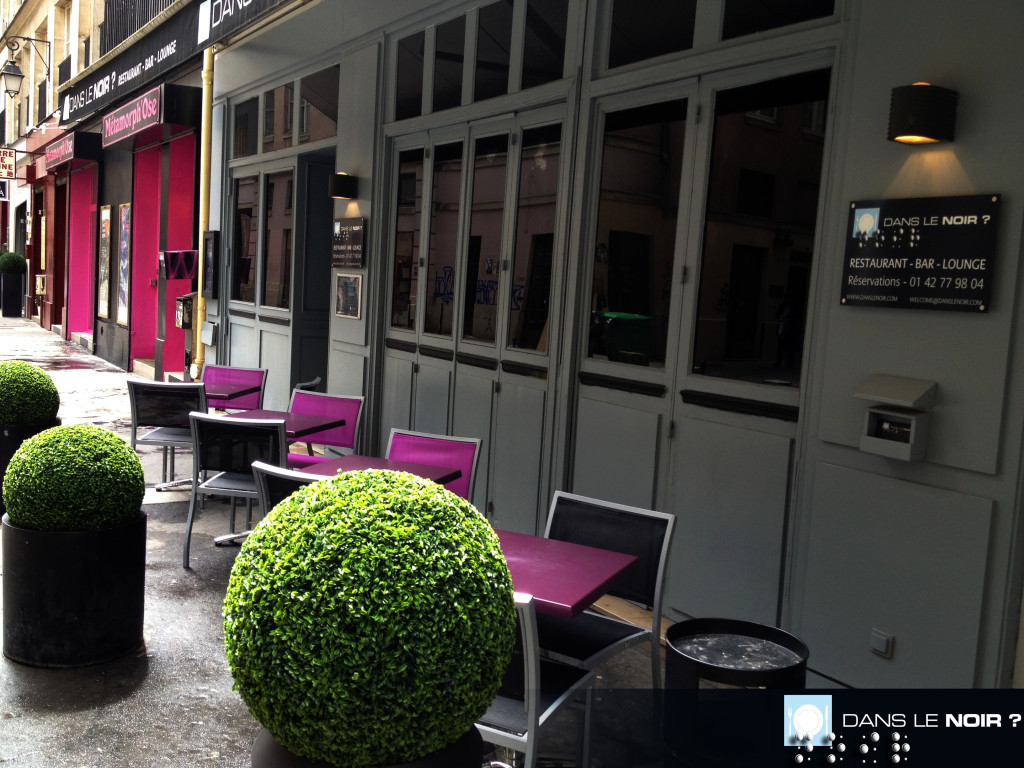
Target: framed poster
x=347, y=296
x=103, y=282
x=124, y=249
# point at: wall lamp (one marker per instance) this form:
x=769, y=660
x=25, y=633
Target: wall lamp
x=922, y=114
x=344, y=187
x=11, y=75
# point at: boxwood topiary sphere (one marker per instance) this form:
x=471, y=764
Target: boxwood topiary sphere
x=369, y=618
x=73, y=478
x=12, y=264
x=27, y=394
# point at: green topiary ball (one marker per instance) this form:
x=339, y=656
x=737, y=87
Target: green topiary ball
x=12, y=264
x=369, y=618
x=27, y=394
x=73, y=478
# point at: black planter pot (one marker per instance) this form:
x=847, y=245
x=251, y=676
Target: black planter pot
x=11, y=438
x=10, y=294
x=73, y=598
x=466, y=752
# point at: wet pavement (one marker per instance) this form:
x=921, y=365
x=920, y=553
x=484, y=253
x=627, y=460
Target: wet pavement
x=170, y=703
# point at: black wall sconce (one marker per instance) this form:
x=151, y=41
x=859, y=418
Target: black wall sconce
x=344, y=187
x=922, y=114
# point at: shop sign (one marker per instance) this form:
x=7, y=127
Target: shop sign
x=133, y=117
x=8, y=163
x=921, y=253
x=347, y=247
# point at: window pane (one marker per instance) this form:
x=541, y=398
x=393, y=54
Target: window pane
x=246, y=128
x=535, y=238
x=643, y=29
x=490, y=163
x=544, y=46
x=450, y=44
x=636, y=232
x=444, y=238
x=277, y=241
x=409, y=88
x=408, y=218
x=319, y=106
x=277, y=124
x=759, y=230
x=745, y=17
x=494, y=41
x=243, y=243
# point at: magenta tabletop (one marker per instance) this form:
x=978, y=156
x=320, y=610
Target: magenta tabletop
x=354, y=461
x=564, y=578
x=220, y=390
x=295, y=424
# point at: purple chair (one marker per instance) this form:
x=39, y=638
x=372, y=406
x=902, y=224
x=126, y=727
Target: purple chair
x=344, y=406
x=214, y=375
x=441, y=451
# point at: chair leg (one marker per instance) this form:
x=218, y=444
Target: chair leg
x=163, y=465
x=170, y=477
x=188, y=529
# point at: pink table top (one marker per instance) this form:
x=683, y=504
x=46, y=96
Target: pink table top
x=295, y=424
x=219, y=390
x=353, y=461
x=563, y=578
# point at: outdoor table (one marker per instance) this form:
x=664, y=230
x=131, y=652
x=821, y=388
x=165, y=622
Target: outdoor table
x=564, y=578
x=219, y=390
x=295, y=424
x=440, y=475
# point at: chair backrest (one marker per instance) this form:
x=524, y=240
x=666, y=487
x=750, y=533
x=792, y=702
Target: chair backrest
x=620, y=528
x=230, y=444
x=226, y=374
x=344, y=406
x=274, y=484
x=441, y=451
x=164, y=404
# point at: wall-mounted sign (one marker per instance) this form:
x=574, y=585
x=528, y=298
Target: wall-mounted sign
x=921, y=253
x=348, y=296
x=73, y=146
x=8, y=162
x=347, y=248
x=5, y=193
x=132, y=117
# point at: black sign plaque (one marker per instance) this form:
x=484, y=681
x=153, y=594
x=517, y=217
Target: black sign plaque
x=347, y=247
x=921, y=253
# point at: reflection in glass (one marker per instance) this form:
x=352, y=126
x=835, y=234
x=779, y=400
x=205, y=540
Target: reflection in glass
x=318, y=108
x=759, y=230
x=408, y=221
x=493, y=47
x=643, y=29
x=246, y=128
x=635, y=238
x=483, y=269
x=243, y=248
x=449, y=53
x=745, y=17
x=277, y=118
x=544, y=42
x=409, y=79
x=277, y=240
x=444, y=238
x=535, y=237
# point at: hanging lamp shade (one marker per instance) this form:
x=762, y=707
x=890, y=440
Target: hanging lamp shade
x=10, y=78
x=922, y=114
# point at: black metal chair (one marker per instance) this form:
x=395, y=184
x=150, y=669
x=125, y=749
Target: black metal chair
x=275, y=484
x=533, y=690
x=223, y=450
x=590, y=638
x=162, y=408
x=313, y=385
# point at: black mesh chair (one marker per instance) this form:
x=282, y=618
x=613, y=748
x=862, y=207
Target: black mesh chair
x=590, y=638
x=274, y=484
x=160, y=418
x=533, y=690
x=223, y=450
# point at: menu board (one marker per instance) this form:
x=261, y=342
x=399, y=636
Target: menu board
x=347, y=247
x=921, y=253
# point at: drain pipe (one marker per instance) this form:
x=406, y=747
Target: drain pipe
x=205, y=143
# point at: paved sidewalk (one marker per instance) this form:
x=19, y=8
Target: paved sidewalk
x=171, y=703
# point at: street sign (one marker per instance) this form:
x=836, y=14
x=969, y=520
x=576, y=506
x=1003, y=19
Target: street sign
x=7, y=163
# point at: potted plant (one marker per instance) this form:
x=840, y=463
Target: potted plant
x=368, y=621
x=28, y=404
x=74, y=548
x=12, y=267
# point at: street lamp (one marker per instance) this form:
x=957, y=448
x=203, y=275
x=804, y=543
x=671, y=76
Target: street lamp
x=11, y=75
x=10, y=78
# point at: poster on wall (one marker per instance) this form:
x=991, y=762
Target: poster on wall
x=347, y=296
x=103, y=283
x=921, y=253
x=347, y=245
x=124, y=232
x=42, y=243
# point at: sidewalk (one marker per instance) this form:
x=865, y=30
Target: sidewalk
x=171, y=704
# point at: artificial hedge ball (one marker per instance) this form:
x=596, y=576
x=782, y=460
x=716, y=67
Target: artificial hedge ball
x=74, y=477
x=369, y=618
x=27, y=394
